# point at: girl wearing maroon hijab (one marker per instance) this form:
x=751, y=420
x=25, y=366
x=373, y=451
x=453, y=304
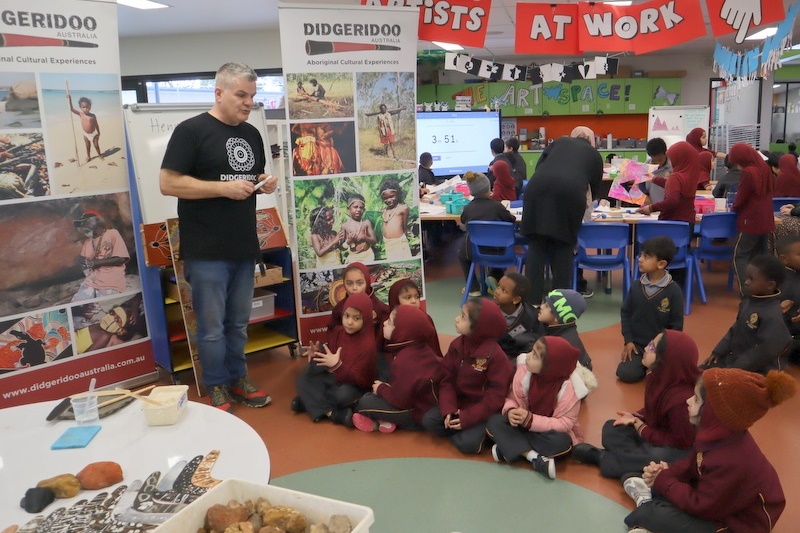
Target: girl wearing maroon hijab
x=405, y=292
x=339, y=374
x=415, y=375
x=788, y=182
x=726, y=483
x=504, y=186
x=698, y=139
x=477, y=376
x=753, y=204
x=659, y=431
x=704, y=175
x=357, y=279
x=539, y=421
x=679, y=189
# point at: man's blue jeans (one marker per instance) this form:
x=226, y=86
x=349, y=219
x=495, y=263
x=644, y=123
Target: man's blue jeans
x=222, y=297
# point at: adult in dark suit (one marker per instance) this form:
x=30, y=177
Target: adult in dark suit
x=553, y=206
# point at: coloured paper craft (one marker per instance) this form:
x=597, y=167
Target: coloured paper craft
x=625, y=186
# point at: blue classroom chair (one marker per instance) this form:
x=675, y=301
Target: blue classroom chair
x=605, y=237
x=492, y=245
x=780, y=201
x=714, y=226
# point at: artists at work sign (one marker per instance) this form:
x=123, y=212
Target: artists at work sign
x=461, y=22
x=574, y=28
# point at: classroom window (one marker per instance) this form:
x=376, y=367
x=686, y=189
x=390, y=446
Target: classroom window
x=200, y=88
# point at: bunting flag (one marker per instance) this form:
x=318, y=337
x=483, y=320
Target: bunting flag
x=484, y=69
x=741, y=67
x=587, y=69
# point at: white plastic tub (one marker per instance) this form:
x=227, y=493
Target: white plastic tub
x=174, y=399
x=316, y=509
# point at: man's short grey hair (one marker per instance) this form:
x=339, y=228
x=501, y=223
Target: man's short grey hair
x=229, y=72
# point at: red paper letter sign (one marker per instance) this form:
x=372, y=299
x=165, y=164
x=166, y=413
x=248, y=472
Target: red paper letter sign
x=547, y=29
x=461, y=22
x=639, y=28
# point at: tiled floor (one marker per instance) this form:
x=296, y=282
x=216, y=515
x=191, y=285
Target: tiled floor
x=296, y=444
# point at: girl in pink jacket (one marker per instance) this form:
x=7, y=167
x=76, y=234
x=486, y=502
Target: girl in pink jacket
x=539, y=421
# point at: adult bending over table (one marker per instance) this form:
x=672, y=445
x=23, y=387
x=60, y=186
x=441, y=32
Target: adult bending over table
x=553, y=208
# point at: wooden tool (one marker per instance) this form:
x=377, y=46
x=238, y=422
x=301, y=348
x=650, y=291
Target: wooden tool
x=124, y=393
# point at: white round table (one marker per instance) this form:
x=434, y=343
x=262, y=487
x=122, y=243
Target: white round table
x=125, y=438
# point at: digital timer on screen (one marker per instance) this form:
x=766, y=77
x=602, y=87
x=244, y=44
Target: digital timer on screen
x=457, y=140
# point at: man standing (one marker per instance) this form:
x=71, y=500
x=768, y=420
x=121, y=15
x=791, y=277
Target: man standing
x=212, y=165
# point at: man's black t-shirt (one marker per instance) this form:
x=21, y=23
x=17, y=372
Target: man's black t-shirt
x=205, y=148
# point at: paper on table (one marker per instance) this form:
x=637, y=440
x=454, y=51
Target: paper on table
x=431, y=209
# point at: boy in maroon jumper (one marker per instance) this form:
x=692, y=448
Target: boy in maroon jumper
x=753, y=204
x=726, y=483
x=478, y=375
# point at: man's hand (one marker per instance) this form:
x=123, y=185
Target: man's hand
x=237, y=189
x=270, y=183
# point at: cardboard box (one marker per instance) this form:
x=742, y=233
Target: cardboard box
x=263, y=304
x=273, y=275
x=316, y=509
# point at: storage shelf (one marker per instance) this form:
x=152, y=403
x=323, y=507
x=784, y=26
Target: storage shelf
x=265, y=338
x=177, y=332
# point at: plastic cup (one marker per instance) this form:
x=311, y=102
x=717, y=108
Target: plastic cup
x=85, y=409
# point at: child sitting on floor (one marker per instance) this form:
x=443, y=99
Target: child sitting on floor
x=539, y=421
x=522, y=326
x=654, y=303
x=335, y=379
x=726, y=483
x=559, y=314
x=660, y=431
x=759, y=340
x=788, y=249
x=477, y=376
x=357, y=280
x=405, y=292
x=415, y=375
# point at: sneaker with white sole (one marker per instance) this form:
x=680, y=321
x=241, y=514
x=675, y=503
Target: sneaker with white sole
x=545, y=466
x=496, y=455
x=638, y=490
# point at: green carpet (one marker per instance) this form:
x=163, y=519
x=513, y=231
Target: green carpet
x=444, y=301
x=450, y=495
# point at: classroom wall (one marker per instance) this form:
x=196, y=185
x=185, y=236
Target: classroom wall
x=170, y=54
x=193, y=52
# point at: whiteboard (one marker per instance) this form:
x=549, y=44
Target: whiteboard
x=148, y=128
x=673, y=123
